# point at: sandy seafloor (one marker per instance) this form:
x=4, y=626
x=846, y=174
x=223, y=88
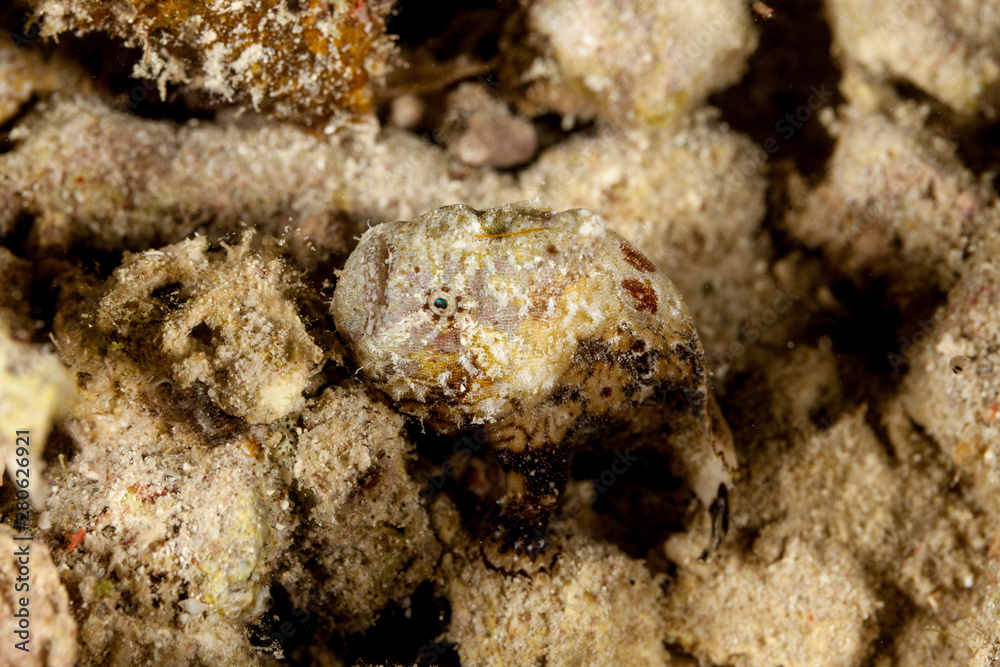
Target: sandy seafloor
x=211, y=483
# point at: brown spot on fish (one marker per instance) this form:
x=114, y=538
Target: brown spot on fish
x=644, y=294
x=636, y=258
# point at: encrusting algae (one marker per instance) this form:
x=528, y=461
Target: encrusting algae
x=305, y=61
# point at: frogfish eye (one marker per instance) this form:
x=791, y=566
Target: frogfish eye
x=441, y=303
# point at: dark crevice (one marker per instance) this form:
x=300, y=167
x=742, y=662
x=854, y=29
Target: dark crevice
x=869, y=332
x=443, y=44
x=45, y=276
x=58, y=443
x=677, y=651
x=910, y=92
x=791, y=76
x=870, y=328
x=14, y=19
x=550, y=130
x=747, y=406
x=976, y=136
x=979, y=149
x=99, y=262
x=16, y=239
x=203, y=334
x=285, y=627
x=109, y=64
x=450, y=27
x=170, y=294
x=460, y=465
x=6, y=143
x=404, y=635
x=896, y=610
x=641, y=506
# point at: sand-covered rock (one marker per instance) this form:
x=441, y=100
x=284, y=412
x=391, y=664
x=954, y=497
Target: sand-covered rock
x=948, y=48
x=368, y=540
x=881, y=499
x=229, y=325
x=160, y=181
x=800, y=594
x=35, y=617
x=35, y=390
x=25, y=73
x=896, y=202
x=952, y=389
x=801, y=608
x=479, y=129
x=691, y=198
x=638, y=62
x=596, y=607
x=171, y=512
x=970, y=641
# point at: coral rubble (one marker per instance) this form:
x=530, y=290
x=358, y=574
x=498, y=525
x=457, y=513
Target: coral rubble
x=304, y=61
x=212, y=479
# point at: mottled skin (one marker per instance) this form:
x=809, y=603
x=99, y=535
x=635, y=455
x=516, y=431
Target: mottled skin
x=548, y=329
